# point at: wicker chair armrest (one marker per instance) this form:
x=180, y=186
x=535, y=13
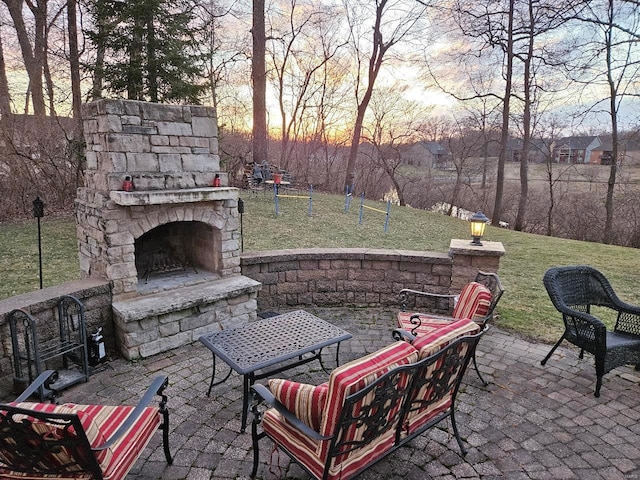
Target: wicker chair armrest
x=263, y=394
x=156, y=388
x=628, y=320
x=629, y=309
x=45, y=379
x=580, y=324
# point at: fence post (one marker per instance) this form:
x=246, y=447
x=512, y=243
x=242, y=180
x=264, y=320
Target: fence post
x=386, y=220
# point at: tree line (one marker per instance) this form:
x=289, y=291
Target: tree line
x=306, y=84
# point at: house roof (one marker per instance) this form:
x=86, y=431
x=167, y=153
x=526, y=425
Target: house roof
x=576, y=143
x=434, y=148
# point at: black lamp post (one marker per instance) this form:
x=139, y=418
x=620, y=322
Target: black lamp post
x=478, y=223
x=241, y=211
x=38, y=213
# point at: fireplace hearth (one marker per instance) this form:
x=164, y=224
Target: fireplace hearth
x=172, y=236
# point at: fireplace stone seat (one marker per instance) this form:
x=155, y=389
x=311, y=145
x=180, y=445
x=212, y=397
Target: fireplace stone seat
x=150, y=324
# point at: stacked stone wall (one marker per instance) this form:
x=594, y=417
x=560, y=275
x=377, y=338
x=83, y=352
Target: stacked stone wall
x=162, y=147
x=344, y=277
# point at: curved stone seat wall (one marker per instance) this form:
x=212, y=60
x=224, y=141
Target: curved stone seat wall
x=362, y=277
x=344, y=277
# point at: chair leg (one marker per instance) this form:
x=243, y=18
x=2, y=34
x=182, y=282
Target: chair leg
x=599, y=373
x=475, y=365
x=598, y=385
x=254, y=438
x=552, y=350
x=165, y=435
x=456, y=433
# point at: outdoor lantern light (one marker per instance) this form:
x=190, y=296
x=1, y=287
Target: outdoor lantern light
x=478, y=223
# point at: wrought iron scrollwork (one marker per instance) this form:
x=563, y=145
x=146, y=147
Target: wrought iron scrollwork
x=374, y=411
x=55, y=440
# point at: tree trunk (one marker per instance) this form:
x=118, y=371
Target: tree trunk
x=526, y=126
x=375, y=62
x=32, y=59
x=98, y=70
x=74, y=60
x=551, y=197
x=504, y=136
x=5, y=98
x=259, y=80
x=152, y=74
x=134, y=85
x=608, y=235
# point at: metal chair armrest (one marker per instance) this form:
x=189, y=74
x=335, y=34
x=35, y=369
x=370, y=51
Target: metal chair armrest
x=45, y=379
x=156, y=388
x=399, y=334
x=264, y=394
x=409, y=291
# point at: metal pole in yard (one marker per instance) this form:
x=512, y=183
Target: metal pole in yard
x=38, y=213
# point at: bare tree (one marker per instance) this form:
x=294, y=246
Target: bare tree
x=259, y=80
x=392, y=22
x=610, y=56
x=464, y=147
x=299, y=54
x=5, y=97
x=392, y=129
x=33, y=55
x=74, y=59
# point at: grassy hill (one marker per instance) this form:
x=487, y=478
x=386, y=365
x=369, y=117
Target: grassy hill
x=524, y=308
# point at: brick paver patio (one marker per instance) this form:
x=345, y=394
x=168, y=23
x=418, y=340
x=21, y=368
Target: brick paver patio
x=531, y=422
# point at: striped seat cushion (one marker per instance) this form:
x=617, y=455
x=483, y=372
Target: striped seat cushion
x=427, y=324
x=439, y=338
x=474, y=302
x=305, y=401
x=344, y=381
x=99, y=423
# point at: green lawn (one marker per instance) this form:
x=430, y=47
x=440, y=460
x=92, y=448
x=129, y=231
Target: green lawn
x=525, y=306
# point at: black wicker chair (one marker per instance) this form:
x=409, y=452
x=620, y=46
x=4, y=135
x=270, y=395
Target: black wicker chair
x=573, y=291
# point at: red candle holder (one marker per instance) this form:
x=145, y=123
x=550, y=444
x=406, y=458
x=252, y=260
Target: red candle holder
x=127, y=185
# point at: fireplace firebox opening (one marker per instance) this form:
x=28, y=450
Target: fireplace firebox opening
x=177, y=251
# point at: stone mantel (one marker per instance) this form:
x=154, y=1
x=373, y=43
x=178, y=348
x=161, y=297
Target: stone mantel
x=162, y=197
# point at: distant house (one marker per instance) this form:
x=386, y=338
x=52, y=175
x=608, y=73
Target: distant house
x=539, y=150
x=603, y=154
x=628, y=151
x=575, y=149
x=428, y=154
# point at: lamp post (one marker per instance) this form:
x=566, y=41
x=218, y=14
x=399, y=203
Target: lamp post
x=478, y=223
x=38, y=213
x=241, y=211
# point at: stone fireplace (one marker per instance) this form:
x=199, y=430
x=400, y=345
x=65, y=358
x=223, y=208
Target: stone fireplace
x=149, y=221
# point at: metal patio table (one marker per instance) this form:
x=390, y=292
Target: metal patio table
x=268, y=342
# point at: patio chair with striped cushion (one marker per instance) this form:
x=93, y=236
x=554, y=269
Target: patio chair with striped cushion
x=369, y=407
x=45, y=441
x=477, y=301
